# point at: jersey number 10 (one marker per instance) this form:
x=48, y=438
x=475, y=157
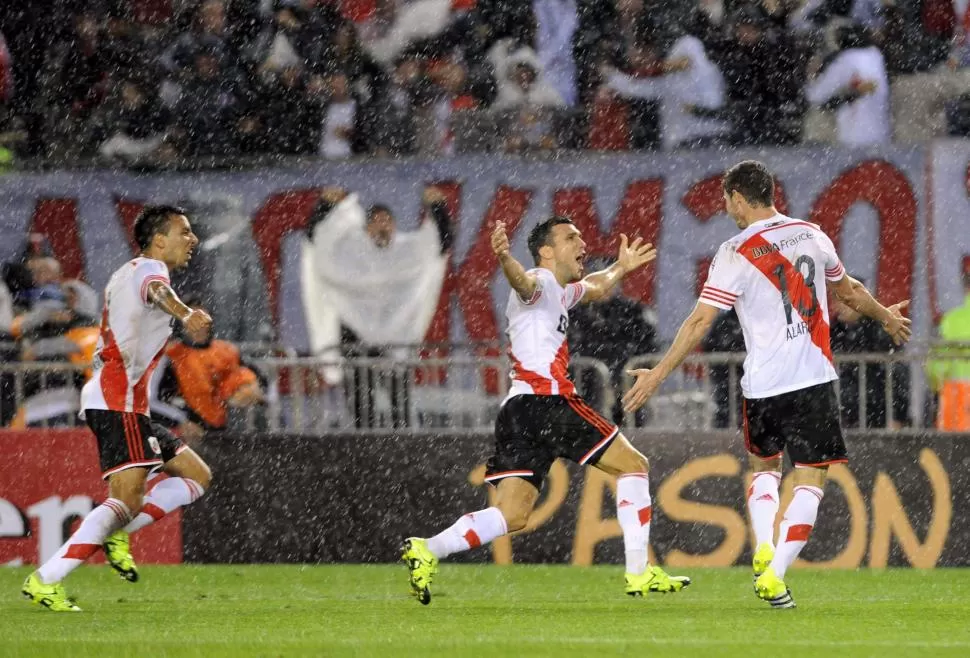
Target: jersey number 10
x=809, y=277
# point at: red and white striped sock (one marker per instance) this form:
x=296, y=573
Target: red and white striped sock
x=796, y=527
x=94, y=529
x=634, y=511
x=166, y=496
x=470, y=531
x=763, y=505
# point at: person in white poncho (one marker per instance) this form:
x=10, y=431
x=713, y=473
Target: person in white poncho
x=369, y=284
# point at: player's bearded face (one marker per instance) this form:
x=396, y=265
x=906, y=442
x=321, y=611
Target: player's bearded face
x=181, y=242
x=570, y=250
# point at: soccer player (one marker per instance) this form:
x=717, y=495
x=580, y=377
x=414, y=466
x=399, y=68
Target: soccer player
x=139, y=305
x=543, y=418
x=776, y=274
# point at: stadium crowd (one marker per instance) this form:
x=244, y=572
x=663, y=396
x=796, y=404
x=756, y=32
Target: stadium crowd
x=211, y=82
x=172, y=81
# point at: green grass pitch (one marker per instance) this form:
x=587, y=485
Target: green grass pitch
x=344, y=610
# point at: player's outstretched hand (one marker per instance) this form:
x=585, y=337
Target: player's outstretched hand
x=197, y=320
x=898, y=326
x=500, y=241
x=634, y=255
x=646, y=385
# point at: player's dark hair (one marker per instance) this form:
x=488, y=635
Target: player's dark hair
x=152, y=220
x=376, y=208
x=752, y=180
x=539, y=236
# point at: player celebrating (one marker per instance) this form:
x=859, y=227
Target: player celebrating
x=135, y=325
x=543, y=418
x=775, y=274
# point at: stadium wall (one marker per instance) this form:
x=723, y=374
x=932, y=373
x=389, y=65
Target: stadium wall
x=898, y=215
x=903, y=501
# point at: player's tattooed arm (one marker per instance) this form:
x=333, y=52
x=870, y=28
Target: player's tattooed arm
x=521, y=281
x=630, y=257
x=855, y=295
x=161, y=295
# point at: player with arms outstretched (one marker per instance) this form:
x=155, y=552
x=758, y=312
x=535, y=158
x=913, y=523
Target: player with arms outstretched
x=543, y=418
x=776, y=274
x=139, y=305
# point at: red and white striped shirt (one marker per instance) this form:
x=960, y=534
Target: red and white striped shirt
x=133, y=337
x=774, y=275
x=537, y=336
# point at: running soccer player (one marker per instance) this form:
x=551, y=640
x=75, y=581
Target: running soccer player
x=543, y=418
x=776, y=274
x=139, y=305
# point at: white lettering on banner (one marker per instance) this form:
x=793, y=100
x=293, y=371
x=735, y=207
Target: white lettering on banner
x=52, y=514
x=830, y=186
x=12, y=522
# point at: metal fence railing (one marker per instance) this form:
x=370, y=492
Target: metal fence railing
x=464, y=391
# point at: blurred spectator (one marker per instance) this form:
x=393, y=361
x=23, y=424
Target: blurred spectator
x=61, y=330
x=611, y=331
x=74, y=80
x=450, y=79
x=70, y=332
x=931, y=102
x=306, y=27
x=205, y=385
x=292, y=119
x=690, y=82
x=914, y=36
x=949, y=367
x=851, y=333
x=556, y=24
x=528, y=129
x=129, y=53
x=208, y=33
x=763, y=71
x=339, y=118
x=367, y=83
x=524, y=82
x=410, y=22
x=725, y=337
x=207, y=106
x=132, y=123
x=409, y=88
x=854, y=84
x=367, y=284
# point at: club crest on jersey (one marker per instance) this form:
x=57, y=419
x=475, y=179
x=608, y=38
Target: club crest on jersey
x=153, y=442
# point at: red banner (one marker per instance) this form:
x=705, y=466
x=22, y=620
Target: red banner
x=49, y=480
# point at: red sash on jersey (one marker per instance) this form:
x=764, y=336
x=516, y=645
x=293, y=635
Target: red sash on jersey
x=801, y=296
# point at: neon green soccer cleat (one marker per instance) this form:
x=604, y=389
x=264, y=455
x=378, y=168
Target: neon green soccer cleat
x=118, y=552
x=422, y=565
x=53, y=597
x=654, y=580
x=762, y=558
x=772, y=589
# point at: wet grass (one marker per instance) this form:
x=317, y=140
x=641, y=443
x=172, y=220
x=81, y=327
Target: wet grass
x=277, y=610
